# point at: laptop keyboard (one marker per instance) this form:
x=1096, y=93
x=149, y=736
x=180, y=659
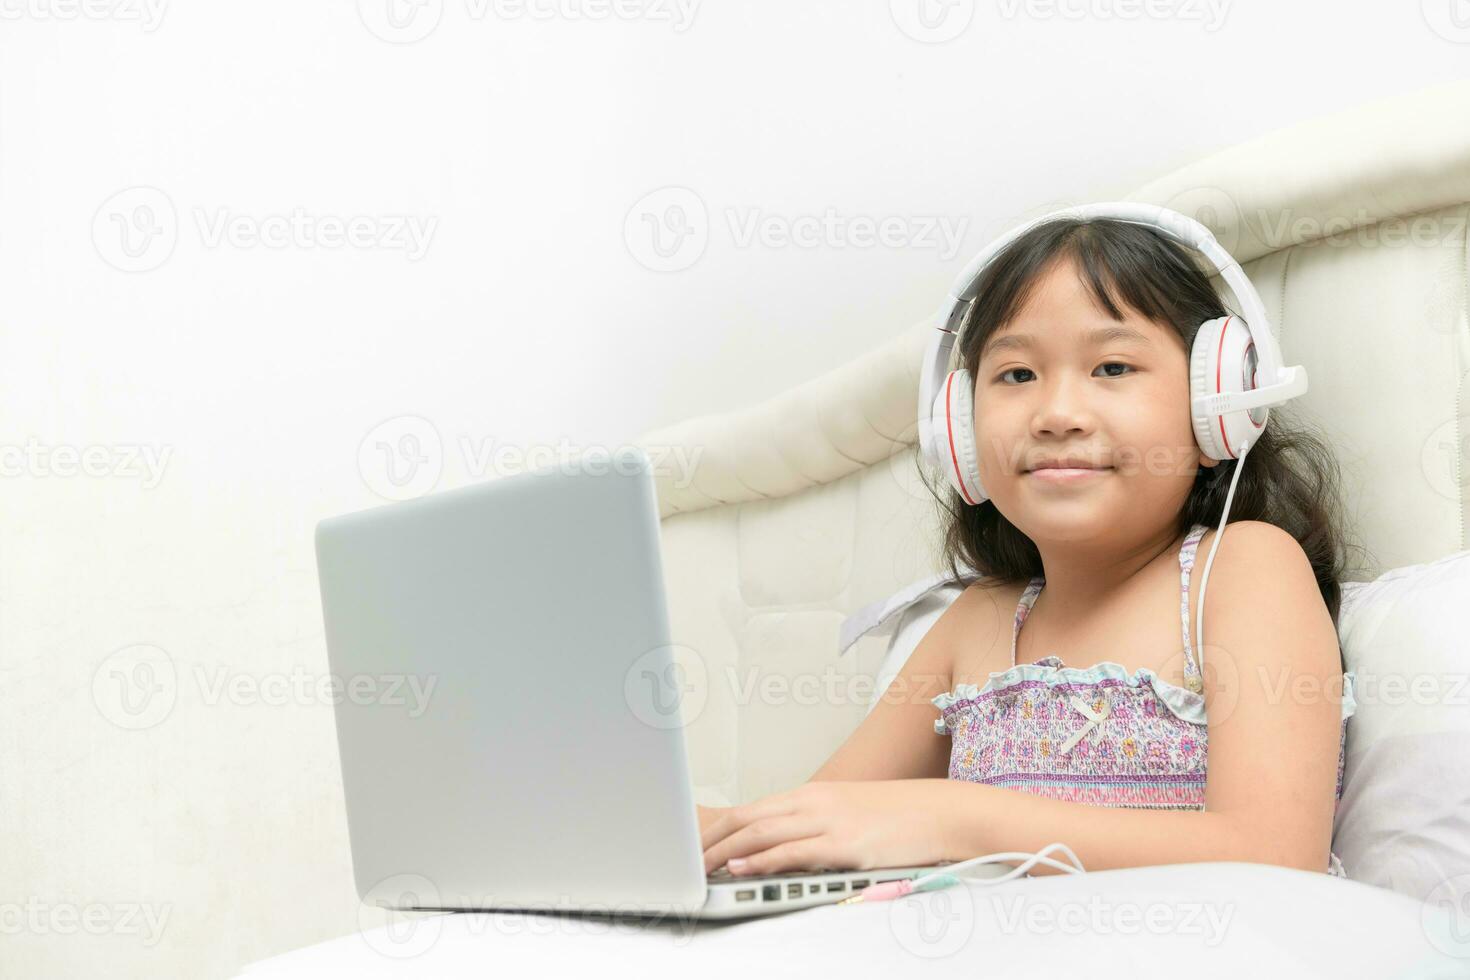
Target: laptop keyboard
x=723, y=874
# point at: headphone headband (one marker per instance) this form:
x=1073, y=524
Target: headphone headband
x=1278, y=383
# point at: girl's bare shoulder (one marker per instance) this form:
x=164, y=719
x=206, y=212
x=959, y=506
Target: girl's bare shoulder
x=979, y=616
x=991, y=595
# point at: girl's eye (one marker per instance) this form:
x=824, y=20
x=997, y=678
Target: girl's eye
x=1002, y=375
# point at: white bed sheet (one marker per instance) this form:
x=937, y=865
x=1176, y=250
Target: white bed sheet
x=1218, y=919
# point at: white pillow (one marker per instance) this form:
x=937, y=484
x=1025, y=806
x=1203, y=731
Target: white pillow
x=1404, y=818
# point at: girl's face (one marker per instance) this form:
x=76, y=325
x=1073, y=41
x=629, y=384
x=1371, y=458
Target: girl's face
x=1064, y=380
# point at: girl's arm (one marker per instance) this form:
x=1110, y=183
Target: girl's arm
x=897, y=739
x=1273, y=688
x=707, y=815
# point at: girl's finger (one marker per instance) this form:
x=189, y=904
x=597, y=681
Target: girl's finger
x=735, y=817
x=758, y=836
x=806, y=854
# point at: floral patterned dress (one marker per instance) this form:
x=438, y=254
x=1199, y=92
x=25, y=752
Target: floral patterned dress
x=1099, y=735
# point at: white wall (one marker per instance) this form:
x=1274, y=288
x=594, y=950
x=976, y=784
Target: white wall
x=186, y=821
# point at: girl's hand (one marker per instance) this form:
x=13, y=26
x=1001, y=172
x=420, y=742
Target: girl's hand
x=827, y=824
x=708, y=815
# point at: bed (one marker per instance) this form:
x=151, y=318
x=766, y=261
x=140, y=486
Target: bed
x=1221, y=919
x=805, y=507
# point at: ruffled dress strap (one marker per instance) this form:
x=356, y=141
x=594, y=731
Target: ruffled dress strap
x=1194, y=678
x=1023, y=608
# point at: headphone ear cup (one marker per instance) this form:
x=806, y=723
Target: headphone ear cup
x=954, y=436
x=1223, y=361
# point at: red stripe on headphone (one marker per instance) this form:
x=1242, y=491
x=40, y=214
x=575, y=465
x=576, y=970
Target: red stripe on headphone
x=1220, y=419
x=949, y=429
x=1254, y=383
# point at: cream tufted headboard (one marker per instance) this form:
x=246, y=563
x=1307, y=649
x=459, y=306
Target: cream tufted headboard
x=805, y=507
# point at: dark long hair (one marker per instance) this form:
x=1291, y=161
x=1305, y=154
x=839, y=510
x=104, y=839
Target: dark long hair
x=1290, y=477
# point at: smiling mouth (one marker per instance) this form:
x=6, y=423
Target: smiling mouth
x=1056, y=474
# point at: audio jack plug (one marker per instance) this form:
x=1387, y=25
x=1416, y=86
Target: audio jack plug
x=898, y=889
x=936, y=880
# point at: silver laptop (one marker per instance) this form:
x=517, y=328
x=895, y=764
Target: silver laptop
x=508, y=705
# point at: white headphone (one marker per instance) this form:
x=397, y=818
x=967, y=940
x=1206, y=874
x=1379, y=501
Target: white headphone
x=1235, y=369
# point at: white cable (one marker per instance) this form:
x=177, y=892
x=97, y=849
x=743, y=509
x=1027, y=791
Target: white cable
x=1030, y=860
x=1199, y=636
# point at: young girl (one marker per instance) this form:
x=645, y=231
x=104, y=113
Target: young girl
x=1093, y=725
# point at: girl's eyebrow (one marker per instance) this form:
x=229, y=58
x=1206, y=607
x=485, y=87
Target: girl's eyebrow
x=1096, y=337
